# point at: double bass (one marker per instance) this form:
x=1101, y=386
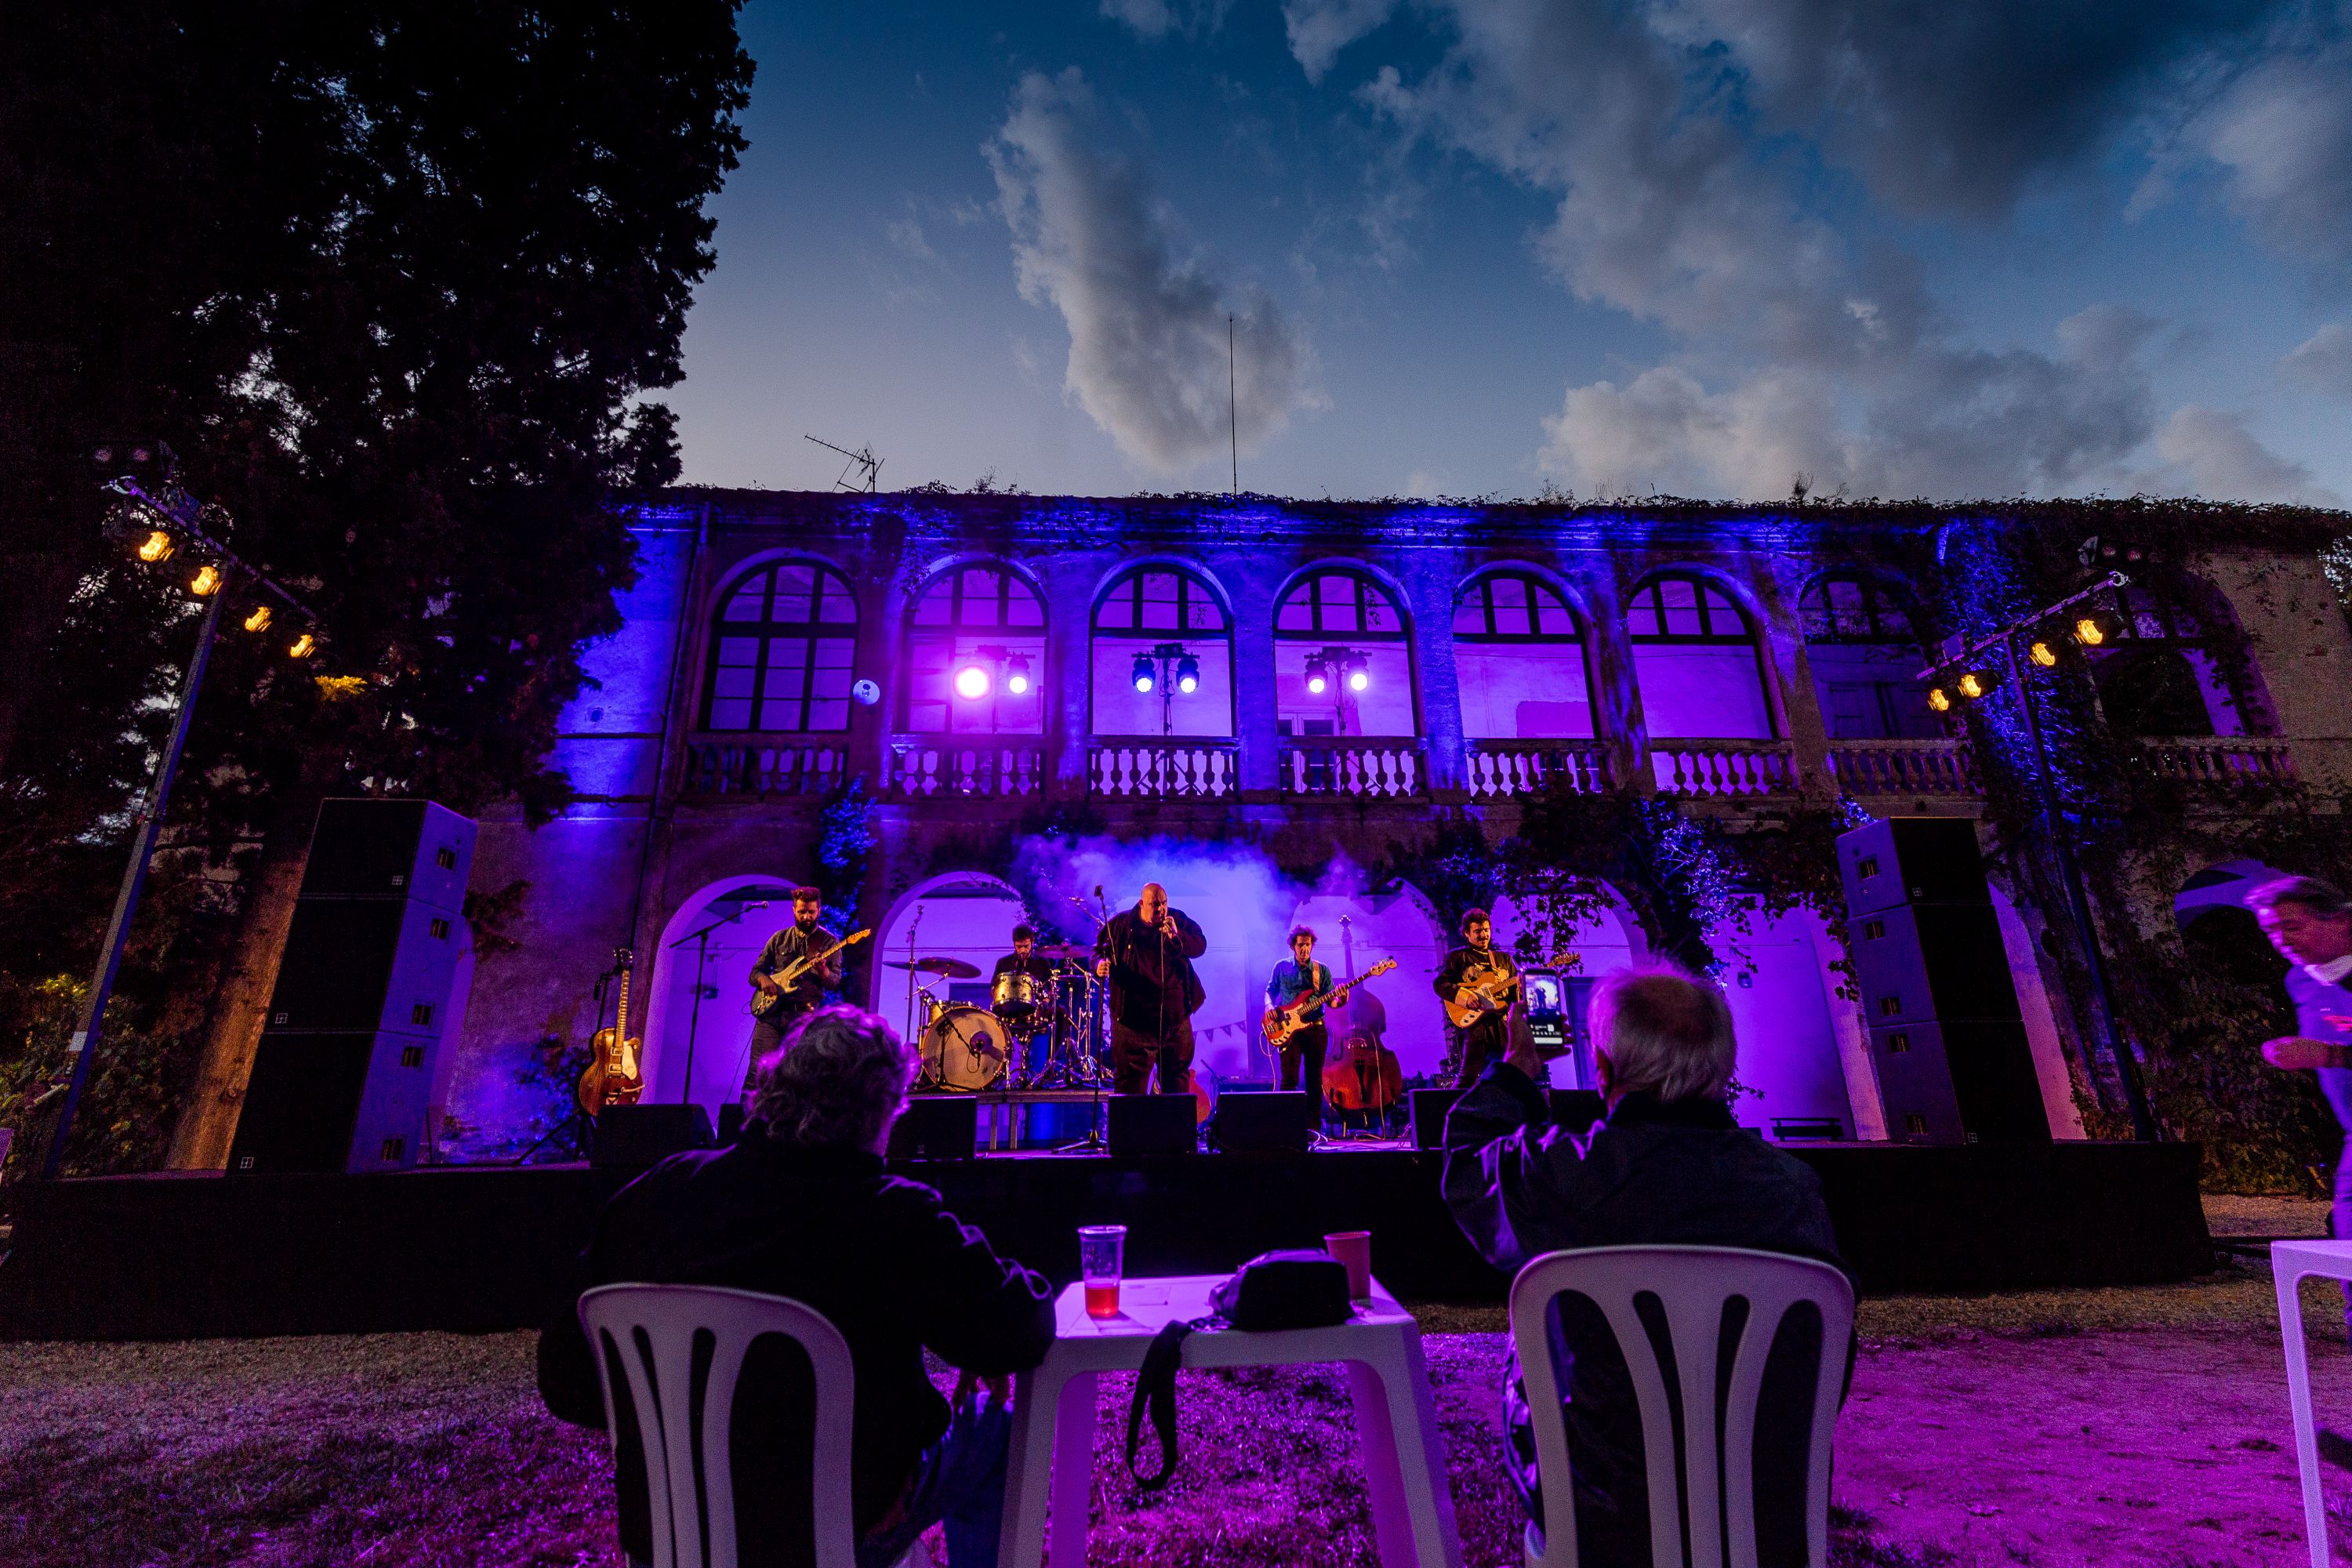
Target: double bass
x=1360, y=1073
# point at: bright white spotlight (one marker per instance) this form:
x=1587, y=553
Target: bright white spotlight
x=1318, y=679
x=1359, y=681
x=1016, y=677
x=971, y=683
x=1188, y=675
x=1143, y=675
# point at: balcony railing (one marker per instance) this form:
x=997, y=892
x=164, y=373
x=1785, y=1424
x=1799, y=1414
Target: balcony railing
x=1495, y=769
x=762, y=767
x=1162, y=769
x=1364, y=766
x=935, y=768
x=1903, y=767
x=1702, y=770
x=2225, y=761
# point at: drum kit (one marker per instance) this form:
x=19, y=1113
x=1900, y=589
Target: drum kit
x=971, y=1048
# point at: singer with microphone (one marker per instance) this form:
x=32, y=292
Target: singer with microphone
x=1147, y=954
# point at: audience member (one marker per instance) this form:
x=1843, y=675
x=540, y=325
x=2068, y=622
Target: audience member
x=800, y=1207
x=1667, y=1165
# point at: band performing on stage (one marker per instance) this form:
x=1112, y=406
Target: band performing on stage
x=1117, y=1016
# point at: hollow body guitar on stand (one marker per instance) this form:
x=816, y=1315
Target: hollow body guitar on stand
x=612, y=1076
x=789, y=975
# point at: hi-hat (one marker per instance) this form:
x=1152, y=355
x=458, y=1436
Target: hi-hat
x=947, y=968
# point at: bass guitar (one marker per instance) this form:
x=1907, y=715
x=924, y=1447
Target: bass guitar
x=612, y=1076
x=1280, y=1023
x=1492, y=993
x=791, y=973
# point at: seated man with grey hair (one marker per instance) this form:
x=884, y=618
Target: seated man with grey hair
x=801, y=1207
x=1667, y=1165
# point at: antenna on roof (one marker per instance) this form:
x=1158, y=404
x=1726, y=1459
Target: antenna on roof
x=1233, y=407
x=862, y=460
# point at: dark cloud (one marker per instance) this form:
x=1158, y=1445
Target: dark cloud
x=1147, y=329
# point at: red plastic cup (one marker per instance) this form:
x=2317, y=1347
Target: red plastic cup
x=1099, y=1260
x=1353, y=1248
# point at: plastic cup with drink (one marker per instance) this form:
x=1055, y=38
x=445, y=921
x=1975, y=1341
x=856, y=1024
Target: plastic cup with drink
x=1353, y=1248
x=1099, y=1249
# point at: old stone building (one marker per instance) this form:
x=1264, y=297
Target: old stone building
x=1257, y=701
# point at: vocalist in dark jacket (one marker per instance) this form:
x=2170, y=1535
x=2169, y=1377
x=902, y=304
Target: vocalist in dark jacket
x=1147, y=954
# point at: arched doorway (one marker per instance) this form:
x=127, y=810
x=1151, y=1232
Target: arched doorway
x=965, y=915
x=708, y=943
x=1354, y=931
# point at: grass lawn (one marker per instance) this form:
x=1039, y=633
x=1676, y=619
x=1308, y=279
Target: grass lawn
x=2053, y=1428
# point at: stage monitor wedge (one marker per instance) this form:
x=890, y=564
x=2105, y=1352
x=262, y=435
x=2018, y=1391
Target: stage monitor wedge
x=1271, y=1120
x=1152, y=1123
x=939, y=1126
x=1427, y=1108
x=641, y=1135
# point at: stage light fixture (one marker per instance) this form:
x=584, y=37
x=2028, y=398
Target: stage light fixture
x=304, y=646
x=1318, y=677
x=971, y=683
x=1937, y=701
x=1143, y=675
x=157, y=547
x=1973, y=684
x=259, y=620
x=1188, y=675
x=2096, y=629
x=206, y=581
x=1360, y=678
x=1016, y=675
x=2043, y=654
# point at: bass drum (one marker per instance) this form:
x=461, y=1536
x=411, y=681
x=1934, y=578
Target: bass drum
x=965, y=1047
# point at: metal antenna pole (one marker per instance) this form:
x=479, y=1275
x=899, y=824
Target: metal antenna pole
x=134, y=880
x=1233, y=407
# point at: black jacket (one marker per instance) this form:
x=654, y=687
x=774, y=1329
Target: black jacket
x=879, y=1257
x=1152, y=986
x=1680, y=1173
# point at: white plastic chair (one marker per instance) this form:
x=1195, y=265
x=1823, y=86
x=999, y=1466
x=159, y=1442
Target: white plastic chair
x=1692, y=1284
x=652, y=1327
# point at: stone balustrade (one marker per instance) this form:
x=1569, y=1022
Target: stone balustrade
x=1705, y=769
x=1175, y=768
x=1903, y=767
x=1365, y=766
x=1495, y=770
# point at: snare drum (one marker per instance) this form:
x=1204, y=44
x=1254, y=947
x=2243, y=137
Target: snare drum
x=965, y=1047
x=1015, y=994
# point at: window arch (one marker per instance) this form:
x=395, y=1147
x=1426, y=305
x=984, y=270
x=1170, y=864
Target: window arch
x=1865, y=658
x=1697, y=663
x=976, y=653
x=1158, y=616
x=2161, y=679
x=782, y=649
x=1342, y=629
x=1519, y=656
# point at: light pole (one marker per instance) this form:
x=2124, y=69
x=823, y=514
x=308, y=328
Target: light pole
x=173, y=513
x=2017, y=646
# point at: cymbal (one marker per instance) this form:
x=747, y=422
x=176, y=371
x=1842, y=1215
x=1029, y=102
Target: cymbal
x=1063, y=951
x=948, y=968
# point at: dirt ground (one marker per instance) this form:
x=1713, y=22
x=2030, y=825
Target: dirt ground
x=2051, y=1428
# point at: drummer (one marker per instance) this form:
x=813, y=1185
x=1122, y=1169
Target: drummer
x=1029, y=1019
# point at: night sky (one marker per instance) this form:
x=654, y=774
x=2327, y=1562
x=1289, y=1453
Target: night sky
x=1488, y=247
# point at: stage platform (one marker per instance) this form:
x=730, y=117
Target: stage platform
x=482, y=1248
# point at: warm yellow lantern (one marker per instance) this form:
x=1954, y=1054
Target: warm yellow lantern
x=207, y=581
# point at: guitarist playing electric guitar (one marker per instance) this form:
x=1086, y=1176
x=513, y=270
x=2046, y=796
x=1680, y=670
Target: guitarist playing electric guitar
x=1479, y=985
x=791, y=975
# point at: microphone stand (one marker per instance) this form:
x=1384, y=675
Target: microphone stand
x=701, y=940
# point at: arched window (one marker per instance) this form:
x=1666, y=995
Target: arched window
x=1518, y=654
x=785, y=641
x=1154, y=628
x=1696, y=660
x=976, y=654
x=1342, y=665
x=1865, y=660
x=2160, y=677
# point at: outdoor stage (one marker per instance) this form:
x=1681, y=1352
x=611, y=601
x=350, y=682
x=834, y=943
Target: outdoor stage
x=484, y=1248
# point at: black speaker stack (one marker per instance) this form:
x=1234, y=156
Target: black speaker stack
x=361, y=1007
x=1947, y=1036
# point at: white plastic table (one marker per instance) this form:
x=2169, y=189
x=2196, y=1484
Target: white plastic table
x=2293, y=1262
x=1054, y=1415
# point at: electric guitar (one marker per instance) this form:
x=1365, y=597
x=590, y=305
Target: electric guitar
x=1493, y=995
x=789, y=974
x=612, y=1076
x=1280, y=1023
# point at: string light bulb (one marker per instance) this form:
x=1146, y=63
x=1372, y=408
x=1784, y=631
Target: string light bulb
x=259, y=620
x=2043, y=654
x=157, y=547
x=1937, y=701
x=207, y=581
x=303, y=648
x=1972, y=684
